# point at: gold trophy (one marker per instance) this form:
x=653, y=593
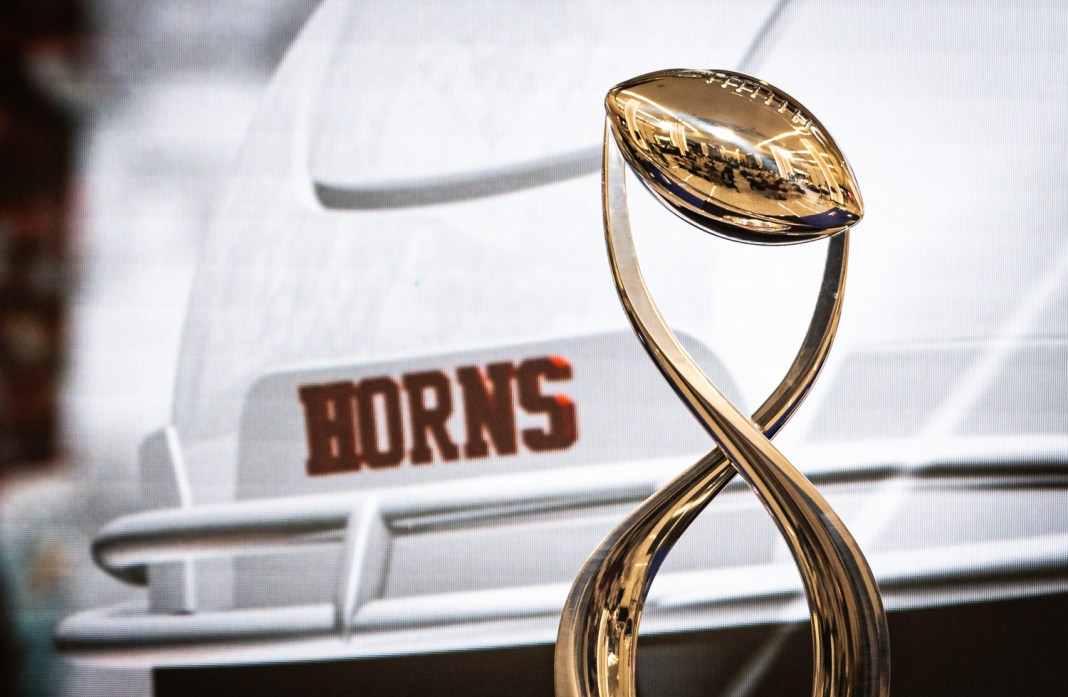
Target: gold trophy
x=740, y=159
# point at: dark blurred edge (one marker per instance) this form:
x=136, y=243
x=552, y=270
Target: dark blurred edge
x=38, y=140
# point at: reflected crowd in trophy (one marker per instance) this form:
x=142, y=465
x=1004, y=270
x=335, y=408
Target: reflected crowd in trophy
x=717, y=161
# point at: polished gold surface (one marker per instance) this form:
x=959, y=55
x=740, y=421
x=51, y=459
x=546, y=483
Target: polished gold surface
x=597, y=643
x=734, y=155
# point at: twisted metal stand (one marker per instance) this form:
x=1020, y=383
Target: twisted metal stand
x=597, y=643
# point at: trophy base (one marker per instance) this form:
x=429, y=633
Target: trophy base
x=988, y=649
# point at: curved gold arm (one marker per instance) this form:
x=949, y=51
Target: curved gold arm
x=597, y=642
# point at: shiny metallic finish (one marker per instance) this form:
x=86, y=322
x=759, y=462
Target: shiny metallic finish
x=597, y=643
x=734, y=156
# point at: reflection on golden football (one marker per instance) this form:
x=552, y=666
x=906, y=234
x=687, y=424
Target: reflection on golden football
x=734, y=156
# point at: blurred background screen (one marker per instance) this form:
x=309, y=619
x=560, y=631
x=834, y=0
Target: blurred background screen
x=216, y=218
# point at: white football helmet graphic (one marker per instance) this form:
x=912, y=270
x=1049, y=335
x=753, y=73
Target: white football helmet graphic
x=409, y=406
